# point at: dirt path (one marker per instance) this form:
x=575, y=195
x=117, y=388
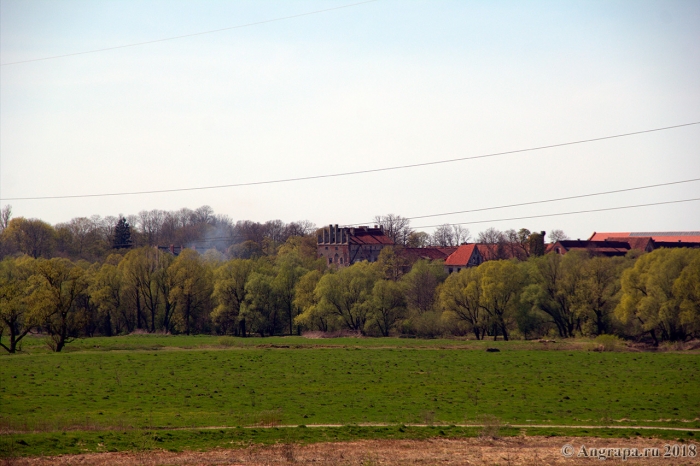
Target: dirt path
x=471, y=451
x=517, y=426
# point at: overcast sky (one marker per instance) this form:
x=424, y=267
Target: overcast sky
x=375, y=85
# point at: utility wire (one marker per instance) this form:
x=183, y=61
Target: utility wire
x=567, y=213
x=224, y=238
x=352, y=173
x=213, y=31
x=545, y=200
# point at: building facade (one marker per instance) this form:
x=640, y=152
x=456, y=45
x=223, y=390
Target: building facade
x=342, y=246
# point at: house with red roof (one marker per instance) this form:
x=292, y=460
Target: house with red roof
x=467, y=255
x=342, y=246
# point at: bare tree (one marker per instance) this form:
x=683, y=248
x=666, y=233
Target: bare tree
x=557, y=235
x=460, y=234
x=495, y=241
x=395, y=227
x=490, y=236
x=300, y=228
x=5, y=215
x=443, y=236
x=418, y=239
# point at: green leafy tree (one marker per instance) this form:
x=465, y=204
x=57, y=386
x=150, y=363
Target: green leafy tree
x=108, y=291
x=556, y=281
x=261, y=308
x=14, y=312
x=191, y=290
x=288, y=270
x=461, y=296
x=56, y=285
x=148, y=284
x=230, y=293
x=347, y=294
x=501, y=284
x=421, y=284
x=392, y=263
x=597, y=292
x=311, y=316
x=32, y=237
x=687, y=288
x=649, y=297
x=388, y=306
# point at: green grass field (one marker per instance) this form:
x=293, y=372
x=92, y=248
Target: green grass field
x=125, y=386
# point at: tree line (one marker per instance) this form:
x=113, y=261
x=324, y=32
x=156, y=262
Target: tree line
x=653, y=296
x=94, y=238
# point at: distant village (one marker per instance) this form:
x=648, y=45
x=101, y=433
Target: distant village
x=343, y=246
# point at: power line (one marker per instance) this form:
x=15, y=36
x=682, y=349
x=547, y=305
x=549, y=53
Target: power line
x=567, y=213
x=225, y=238
x=352, y=173
x=580, y=196
x=213, y=31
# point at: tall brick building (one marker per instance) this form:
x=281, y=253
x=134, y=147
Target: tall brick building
x=346, y=245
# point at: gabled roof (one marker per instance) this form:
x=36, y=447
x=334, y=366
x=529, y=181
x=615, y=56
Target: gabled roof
x=429, y=253
x=606, y=248
x=365, y=235
x=662, y=236
x=636, y=242
x=462, y=255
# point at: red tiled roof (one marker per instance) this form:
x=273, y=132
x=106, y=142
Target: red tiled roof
x=370, y=236
x=603, y=236
x=664, y=236
x=426, y=253
x=461, y=256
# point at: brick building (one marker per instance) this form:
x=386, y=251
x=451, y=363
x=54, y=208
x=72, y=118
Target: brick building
x=346, y=245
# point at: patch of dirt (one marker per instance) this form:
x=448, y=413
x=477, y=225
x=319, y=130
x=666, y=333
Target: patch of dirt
x=472, y=451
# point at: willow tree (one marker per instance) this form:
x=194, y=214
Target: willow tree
x=461, y=297
x=347, y=294
x=230, y=293
x=650, y=296
x=14, y=311
x=56, y=285
x=501, y=284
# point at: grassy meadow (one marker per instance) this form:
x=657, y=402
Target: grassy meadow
x=118, y=388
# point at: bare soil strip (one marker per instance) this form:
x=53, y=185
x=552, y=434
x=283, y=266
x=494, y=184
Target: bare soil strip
x=517, y=426
x=471, y=451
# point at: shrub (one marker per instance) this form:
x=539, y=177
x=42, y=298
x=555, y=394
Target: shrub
x=608, y=343
x=227, y=341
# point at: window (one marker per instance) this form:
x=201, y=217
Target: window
x=330, y=260
x=341, y=260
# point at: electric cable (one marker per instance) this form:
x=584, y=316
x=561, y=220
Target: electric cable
x=580, y=196
x=352, y=173
x=566, y=213
x=213, y=31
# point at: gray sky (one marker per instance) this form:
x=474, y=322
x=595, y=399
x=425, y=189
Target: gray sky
x=375, y=85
